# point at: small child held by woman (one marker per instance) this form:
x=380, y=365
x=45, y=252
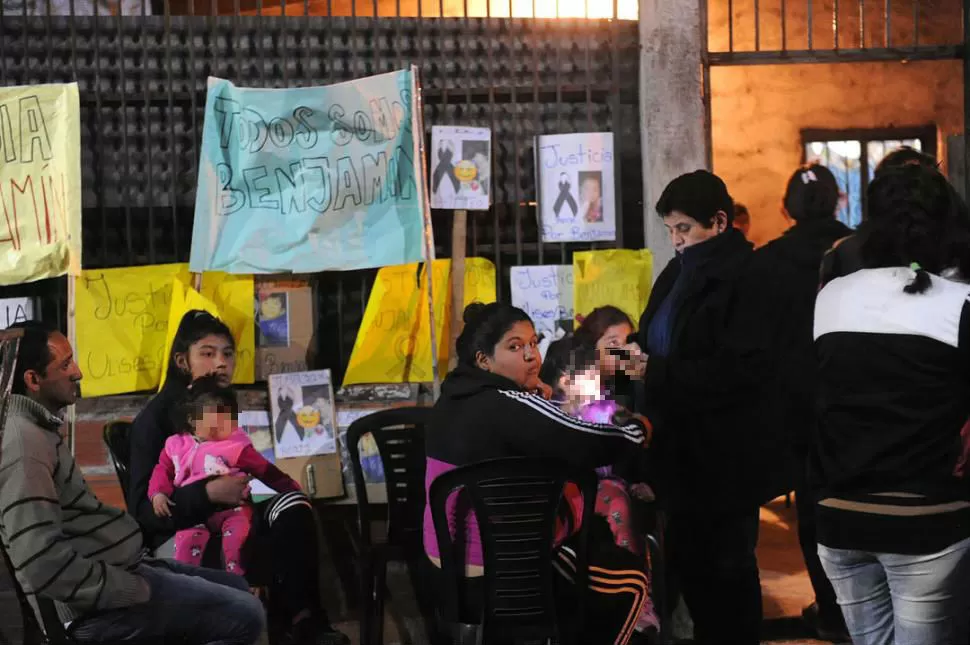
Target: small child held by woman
x=211, y=444
x=572, y=370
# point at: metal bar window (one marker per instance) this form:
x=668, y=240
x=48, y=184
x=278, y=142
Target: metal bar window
x=143, y=81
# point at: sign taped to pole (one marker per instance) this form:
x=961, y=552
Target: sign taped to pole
x=40, y=182
x=309, y=179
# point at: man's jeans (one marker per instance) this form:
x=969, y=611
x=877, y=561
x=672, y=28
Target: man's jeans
x=189, y=606
x=892, y=599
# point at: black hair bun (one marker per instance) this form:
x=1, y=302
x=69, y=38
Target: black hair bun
x=472, y=312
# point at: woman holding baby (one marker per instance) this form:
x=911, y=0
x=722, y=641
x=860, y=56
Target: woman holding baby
x=494, y=405
x=282, y=530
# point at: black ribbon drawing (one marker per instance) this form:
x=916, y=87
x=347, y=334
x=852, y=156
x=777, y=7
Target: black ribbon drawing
x=286, y=415
x=444, y=167
x=565, y=197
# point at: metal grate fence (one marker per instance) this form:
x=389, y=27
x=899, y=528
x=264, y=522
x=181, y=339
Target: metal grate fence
x=142, y=82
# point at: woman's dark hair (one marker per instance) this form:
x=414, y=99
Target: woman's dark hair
x=904, y=156
x=915, y=218
x=812, y=194
x=598, y=321
x=204, y=392
x=569, y=354
x=194, y=326
x=32, y=352
x=700, y=195
x=484, y=327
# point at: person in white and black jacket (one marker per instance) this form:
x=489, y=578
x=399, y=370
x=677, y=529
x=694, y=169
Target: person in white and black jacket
x=893, y=346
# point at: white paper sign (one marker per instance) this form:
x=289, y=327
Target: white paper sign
x=461, y=168
x=546, y=294
x=256, y=424
x=304, y=420
x=15, y=310
x=577, y=194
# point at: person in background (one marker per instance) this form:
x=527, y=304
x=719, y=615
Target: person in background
x=742, y=218
x=892, y=340
x=811, y=201
x=844, y=256
x=494, y=405
x=608, y=329
x=68, y=547
x=708, y=334
x=283, y=525
x=572, y=370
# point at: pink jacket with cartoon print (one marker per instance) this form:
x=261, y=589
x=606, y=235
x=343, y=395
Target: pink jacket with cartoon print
x=186, y=460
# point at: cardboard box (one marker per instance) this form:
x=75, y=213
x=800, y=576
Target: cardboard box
x=285, y=338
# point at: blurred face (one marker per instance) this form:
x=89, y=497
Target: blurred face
x=209, y=355
x=685, y=231
x=591, y=190
x=57, y=387
x=582, y=387
x=613, y=337
x=516, y=356
x=215, y=424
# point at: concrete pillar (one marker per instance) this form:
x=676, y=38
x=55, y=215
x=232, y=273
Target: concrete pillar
x=673, y=116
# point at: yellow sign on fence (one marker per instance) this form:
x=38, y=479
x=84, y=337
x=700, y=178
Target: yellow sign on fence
x=40, y=182
x=393, y=344
x=619, y=277
x=122, y=321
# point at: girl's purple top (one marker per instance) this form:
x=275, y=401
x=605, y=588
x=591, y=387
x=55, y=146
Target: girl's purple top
x=601, y=411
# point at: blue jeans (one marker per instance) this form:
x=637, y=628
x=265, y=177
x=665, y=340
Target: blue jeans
x=189, y=606
x=892, y=599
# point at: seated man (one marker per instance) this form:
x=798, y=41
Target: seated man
x=67, y=546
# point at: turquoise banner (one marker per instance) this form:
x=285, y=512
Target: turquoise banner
x=309, y=179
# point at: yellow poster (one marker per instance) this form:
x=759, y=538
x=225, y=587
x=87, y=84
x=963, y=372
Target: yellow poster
x=122, y=320
x=40, y=182
x=619, y=277
x=393, y=344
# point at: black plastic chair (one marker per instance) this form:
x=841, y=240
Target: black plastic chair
x=116, y=438
x=399, y=435
x=49, y=629
x=516, y=502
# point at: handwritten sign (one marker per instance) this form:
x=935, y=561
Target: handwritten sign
x=577, y=196
x=309, y=179
x=461, y=167
x=40, y=182
x=546, y=294
x=15, y=310
x=122, y=318
x=619, y=277
x=393, y=344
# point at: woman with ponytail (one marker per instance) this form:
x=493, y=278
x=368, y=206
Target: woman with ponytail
x=893, y=346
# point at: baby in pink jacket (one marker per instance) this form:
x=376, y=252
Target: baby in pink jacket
x=211, y=444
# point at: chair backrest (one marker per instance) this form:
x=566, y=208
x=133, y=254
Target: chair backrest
x=399, y=435
x=116, y=438
x=516, y=502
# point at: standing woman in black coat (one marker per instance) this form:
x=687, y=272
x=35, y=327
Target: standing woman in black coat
x=203, y=345
x=811, y=201
x=707, y=339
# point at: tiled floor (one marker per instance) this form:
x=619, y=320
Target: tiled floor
x=785, y=586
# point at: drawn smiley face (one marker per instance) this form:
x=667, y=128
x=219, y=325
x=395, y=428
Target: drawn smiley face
x=308, y=417
x=466, y=170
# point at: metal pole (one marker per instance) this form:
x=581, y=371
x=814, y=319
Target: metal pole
x=966, y=96
x=420, y=180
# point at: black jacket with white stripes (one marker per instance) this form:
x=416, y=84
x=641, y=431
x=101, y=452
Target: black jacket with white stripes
x=894, y=395
x=481, y=415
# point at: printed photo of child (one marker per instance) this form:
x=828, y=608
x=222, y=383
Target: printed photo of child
x=591, y=196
